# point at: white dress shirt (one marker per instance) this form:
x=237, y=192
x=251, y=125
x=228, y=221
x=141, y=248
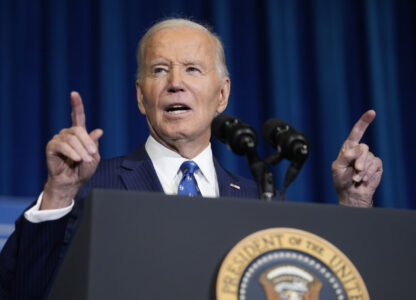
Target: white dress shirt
x=166, y=163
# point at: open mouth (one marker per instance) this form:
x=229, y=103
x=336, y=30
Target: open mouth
x=177, y=108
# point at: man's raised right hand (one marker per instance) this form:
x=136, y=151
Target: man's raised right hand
x=72, y=157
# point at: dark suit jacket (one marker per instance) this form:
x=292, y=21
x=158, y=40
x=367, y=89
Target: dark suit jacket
x=32, y=254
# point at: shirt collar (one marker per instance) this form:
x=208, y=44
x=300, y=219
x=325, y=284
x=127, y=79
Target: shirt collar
x=167, y=161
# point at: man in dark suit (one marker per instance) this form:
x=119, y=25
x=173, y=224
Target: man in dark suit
x=182, y=83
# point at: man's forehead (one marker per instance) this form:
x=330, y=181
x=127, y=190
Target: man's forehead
x=186, y=40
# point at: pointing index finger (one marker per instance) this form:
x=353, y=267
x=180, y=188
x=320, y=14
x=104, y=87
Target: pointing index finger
x=77, y=114
x=359, y=129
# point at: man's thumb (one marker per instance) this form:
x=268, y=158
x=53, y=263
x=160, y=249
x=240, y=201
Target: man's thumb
x=96, y=134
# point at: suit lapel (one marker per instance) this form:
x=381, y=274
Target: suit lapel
x=229, y=186
x=138, y=172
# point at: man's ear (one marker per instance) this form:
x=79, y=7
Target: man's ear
x=139, y=95
x=224, y=94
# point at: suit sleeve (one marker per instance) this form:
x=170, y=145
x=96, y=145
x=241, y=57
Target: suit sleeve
x=30, y=258
x=33, y=253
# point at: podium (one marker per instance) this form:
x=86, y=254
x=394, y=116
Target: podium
x=134, y=245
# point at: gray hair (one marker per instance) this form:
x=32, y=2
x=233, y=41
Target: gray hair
x=175, y=23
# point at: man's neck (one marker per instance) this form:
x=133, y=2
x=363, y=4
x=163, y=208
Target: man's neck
x=185, y=148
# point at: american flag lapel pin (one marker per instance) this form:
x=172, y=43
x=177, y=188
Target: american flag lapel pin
x=234, y=186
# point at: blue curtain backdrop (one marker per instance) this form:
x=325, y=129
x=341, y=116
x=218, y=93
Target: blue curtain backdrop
x=316, y=64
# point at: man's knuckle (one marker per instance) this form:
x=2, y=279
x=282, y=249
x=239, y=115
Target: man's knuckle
x=350, y=154
x=78, y=130
x=63, y=132
x=72, y=139
x=336, y=166
x=49, y=146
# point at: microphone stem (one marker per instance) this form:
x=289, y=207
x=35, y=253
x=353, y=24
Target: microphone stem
x=259, y=170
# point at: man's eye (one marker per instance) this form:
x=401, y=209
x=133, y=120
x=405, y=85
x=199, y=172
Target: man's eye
x=159, y=70
x=193, y=70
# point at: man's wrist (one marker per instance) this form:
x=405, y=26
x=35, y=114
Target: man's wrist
x=35, y=215
x=347, y=200
x=56, y=198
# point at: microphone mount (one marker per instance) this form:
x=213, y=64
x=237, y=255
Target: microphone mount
x=290, y=144
x=242, y=140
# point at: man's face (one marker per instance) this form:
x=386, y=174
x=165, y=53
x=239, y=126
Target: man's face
x=181, y=89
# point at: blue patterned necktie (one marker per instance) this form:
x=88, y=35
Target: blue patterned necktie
x=187, y=185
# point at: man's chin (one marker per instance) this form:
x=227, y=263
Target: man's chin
x=177, y=136
x=183, y=136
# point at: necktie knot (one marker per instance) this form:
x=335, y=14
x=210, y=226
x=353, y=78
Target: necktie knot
x=188, y=185
x=189, y=167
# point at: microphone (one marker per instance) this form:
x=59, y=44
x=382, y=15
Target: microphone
x=242, y=140
x=290, y=143
x=238, y=136
x=293, y=144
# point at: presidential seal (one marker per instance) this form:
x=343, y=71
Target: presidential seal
x=288, y=264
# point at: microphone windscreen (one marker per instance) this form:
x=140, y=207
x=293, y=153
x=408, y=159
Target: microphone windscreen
x=218, y=126
x=269, y=130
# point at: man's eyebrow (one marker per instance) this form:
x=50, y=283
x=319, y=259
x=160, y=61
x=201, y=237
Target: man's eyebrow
x=193, y=62
x=158, y=63
x=163, y=62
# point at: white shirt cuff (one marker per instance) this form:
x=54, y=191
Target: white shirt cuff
x=35, y=215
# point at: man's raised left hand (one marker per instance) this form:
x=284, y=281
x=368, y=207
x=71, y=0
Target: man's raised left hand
x=357, y=171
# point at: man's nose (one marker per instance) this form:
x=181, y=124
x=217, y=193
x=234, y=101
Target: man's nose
x=175, y=80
